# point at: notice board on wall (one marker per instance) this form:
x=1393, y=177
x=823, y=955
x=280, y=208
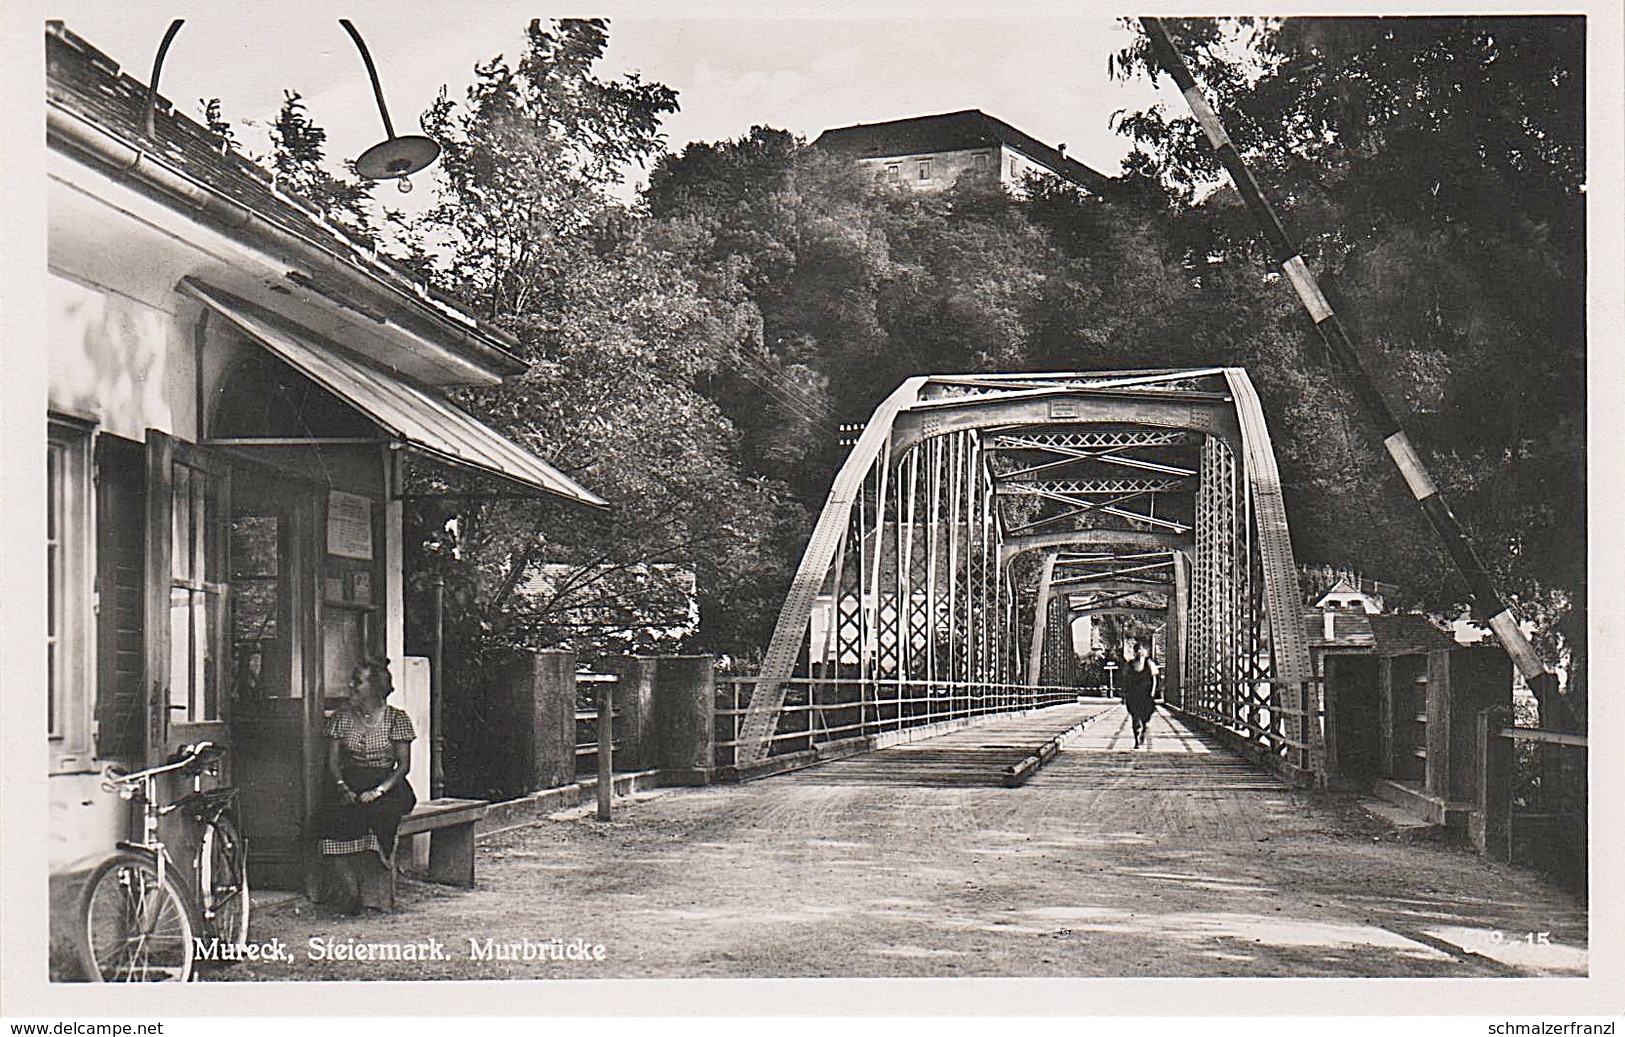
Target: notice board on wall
x=349, y=525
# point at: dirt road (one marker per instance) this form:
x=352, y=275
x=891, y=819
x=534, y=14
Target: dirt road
x=1176, y=860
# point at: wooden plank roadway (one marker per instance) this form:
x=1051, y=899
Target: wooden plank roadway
x=973, y=756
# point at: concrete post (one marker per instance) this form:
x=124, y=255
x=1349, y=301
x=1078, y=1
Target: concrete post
x=684, y=719
x=1440, y=722
x=555, y=718
x=634, y=709
x=1475, y=679
x=1386, y=720
x=1352, y=707
x=542, y=692
x=1035, y=656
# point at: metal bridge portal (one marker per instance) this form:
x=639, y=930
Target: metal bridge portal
x=979, y=517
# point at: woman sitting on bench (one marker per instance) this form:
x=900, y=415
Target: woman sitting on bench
x=368, y=753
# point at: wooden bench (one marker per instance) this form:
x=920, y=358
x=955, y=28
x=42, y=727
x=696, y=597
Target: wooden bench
x=450, y=825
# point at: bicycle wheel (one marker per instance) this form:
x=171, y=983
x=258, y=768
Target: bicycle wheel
x=223, y=880
x=134, y=928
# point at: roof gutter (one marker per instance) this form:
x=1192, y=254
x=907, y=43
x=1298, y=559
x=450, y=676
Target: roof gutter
x=127, y=160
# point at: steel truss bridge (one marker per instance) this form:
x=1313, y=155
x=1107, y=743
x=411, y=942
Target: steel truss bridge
x=977, y=517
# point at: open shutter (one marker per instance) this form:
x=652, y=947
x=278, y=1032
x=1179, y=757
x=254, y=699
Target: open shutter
x=121, y=542
x=160, y=465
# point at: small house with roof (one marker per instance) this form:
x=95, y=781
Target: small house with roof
x=1337, y=630
x=934, y=152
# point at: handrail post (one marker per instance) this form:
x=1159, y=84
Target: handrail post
x=1489, y=826
x=606, y=748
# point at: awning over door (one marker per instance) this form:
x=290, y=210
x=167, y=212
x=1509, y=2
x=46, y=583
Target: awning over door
x=418, y=417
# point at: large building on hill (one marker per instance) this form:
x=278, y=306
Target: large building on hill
x=934, y=152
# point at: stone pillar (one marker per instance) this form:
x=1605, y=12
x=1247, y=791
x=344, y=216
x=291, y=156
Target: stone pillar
x=1439, y=741
x=1386, y=719
x=542, y=690
x=1352, y=718
x=684, y=695
x=1462, y=683
x=634, y=711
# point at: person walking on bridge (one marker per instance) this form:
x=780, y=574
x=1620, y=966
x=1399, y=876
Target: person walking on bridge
x=1139, y=687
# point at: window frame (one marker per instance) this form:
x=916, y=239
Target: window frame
x=199, y=584
x=69, y=595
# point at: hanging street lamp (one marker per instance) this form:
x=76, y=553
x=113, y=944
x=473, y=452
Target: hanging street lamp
x=394, y=158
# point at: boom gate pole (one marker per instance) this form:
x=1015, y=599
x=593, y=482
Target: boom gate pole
x=1502, y=619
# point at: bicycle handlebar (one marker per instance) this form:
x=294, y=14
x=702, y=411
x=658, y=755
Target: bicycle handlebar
x=186, y=757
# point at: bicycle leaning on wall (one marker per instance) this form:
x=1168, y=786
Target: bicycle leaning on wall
x=139, y=920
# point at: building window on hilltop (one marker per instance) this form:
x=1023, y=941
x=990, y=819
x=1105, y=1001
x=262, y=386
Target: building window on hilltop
x=925, y=169
x=1015, y=167
x=978, y=161
x=894, y=173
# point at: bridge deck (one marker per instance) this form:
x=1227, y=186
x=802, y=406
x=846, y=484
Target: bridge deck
x=1176, y=860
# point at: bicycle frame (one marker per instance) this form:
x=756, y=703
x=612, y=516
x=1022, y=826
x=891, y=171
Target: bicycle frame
x=201, y=759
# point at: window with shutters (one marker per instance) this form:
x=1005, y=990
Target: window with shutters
x=67, y=595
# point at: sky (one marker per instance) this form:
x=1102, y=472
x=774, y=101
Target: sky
x=803, y=69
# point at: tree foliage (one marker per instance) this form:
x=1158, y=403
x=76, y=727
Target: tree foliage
x=620, y=337
x=1434, y=169
x=528, y=161
x=298, y=158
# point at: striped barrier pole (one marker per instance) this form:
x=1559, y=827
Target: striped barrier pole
x=1502, y=619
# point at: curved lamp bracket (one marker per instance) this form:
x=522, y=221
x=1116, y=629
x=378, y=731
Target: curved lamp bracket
x=391, y=159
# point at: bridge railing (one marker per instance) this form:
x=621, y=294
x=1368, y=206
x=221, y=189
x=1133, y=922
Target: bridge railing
x=1530, y=798
x=821, y=711
x=1276, y=724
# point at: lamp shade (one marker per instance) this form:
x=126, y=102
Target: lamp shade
x=395, y=157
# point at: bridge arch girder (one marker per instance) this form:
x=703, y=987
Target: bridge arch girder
x=1112, y=586
x=1015, y=546
x=1212, y=417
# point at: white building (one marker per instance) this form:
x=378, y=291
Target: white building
x=237, y=393
x=933, y=152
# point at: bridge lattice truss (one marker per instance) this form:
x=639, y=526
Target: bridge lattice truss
x=978, y=517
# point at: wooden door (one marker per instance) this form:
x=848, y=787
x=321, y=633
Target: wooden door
x=271, y=615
